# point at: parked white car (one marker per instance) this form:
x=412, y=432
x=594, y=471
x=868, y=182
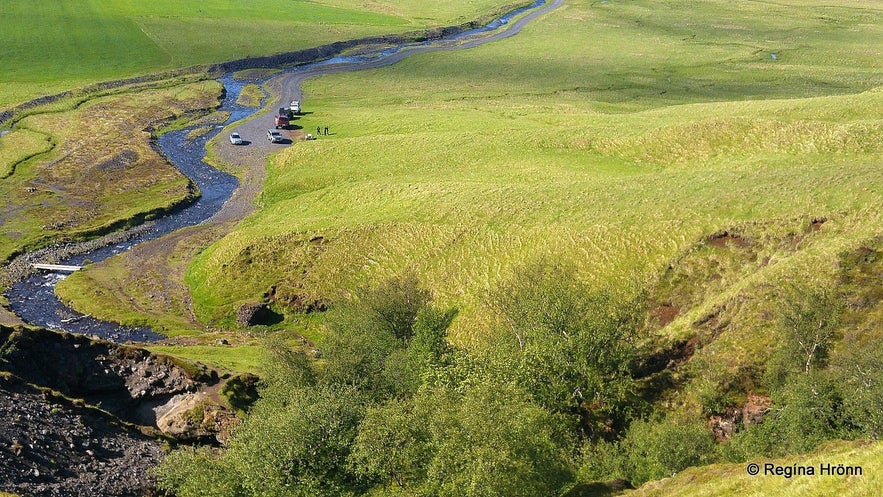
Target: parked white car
x=235, y=139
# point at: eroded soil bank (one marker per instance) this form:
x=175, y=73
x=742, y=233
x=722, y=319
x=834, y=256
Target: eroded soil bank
x=90, y=417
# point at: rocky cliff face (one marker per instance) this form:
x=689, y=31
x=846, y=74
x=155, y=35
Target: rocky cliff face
x=89, y=417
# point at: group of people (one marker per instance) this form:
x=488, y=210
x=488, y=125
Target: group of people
x=319, y=130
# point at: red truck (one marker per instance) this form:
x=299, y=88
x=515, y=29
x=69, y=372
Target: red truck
x=283, y=118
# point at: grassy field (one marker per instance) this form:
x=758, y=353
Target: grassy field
x=242, y=358
x=121, y=38
x=618, y=158
x=706, y=154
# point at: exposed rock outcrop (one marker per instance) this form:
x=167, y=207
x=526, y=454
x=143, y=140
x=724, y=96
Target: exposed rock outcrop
x=126, y=381
x=726, y=424
x=252, y=314
x=83, y=416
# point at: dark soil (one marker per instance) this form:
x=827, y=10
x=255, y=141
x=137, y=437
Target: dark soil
x=726, y=239
x=665, y=314
x=77, y=414
x=50, y=446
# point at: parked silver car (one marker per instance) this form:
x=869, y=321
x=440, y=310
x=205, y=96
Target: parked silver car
x=274, y=136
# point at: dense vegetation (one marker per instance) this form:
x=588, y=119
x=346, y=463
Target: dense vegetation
x=393, y=409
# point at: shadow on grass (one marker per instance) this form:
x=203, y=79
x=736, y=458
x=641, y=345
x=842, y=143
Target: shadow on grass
x=598, y=489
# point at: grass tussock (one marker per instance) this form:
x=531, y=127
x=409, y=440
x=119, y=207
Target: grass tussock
x=250, y=96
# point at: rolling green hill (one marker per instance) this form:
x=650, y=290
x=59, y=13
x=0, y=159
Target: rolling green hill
x=717, y=163
x=50, y=47
x=470, y=162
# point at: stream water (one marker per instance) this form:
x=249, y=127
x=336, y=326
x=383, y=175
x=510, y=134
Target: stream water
x=33, y=299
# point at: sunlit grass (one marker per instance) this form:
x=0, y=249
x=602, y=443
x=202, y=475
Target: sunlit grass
x=18, y=146
x=241, y=358
x=250, y=96
x=461, y=196
x=732, y=479
x=50, y=47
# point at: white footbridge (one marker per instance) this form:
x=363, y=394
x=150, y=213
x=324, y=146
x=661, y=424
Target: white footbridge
x=57, y=268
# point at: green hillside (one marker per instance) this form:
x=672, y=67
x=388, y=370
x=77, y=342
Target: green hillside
x=469, y=163
x=719, y=163
x=48, y=47
x=636, y=238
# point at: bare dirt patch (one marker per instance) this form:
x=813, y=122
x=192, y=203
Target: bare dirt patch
x=725, y=239
x=121, y=160
x=664, y=314
x=816, y=223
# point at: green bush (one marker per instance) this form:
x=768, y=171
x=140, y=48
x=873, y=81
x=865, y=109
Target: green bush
x=649, y=451
x=860, y=378
x=571, y=345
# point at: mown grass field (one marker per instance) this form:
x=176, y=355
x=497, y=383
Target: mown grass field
x=121, y=38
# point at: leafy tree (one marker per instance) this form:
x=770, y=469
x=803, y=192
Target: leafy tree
x=572, y=345
x=392, y=445
x=429, y=345
x=286, y=367
x=808, y=319
x=860, y=375
x=492, y=441
x=355, y=353
x=388, y=409
x=395, y=303
x=296, y=442
x=366, y=346
x=651, y=449
x=189, y=472
x=427, y=351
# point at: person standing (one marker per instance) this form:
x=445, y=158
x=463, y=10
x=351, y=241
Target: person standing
x=326, y=130
x=318, y=131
